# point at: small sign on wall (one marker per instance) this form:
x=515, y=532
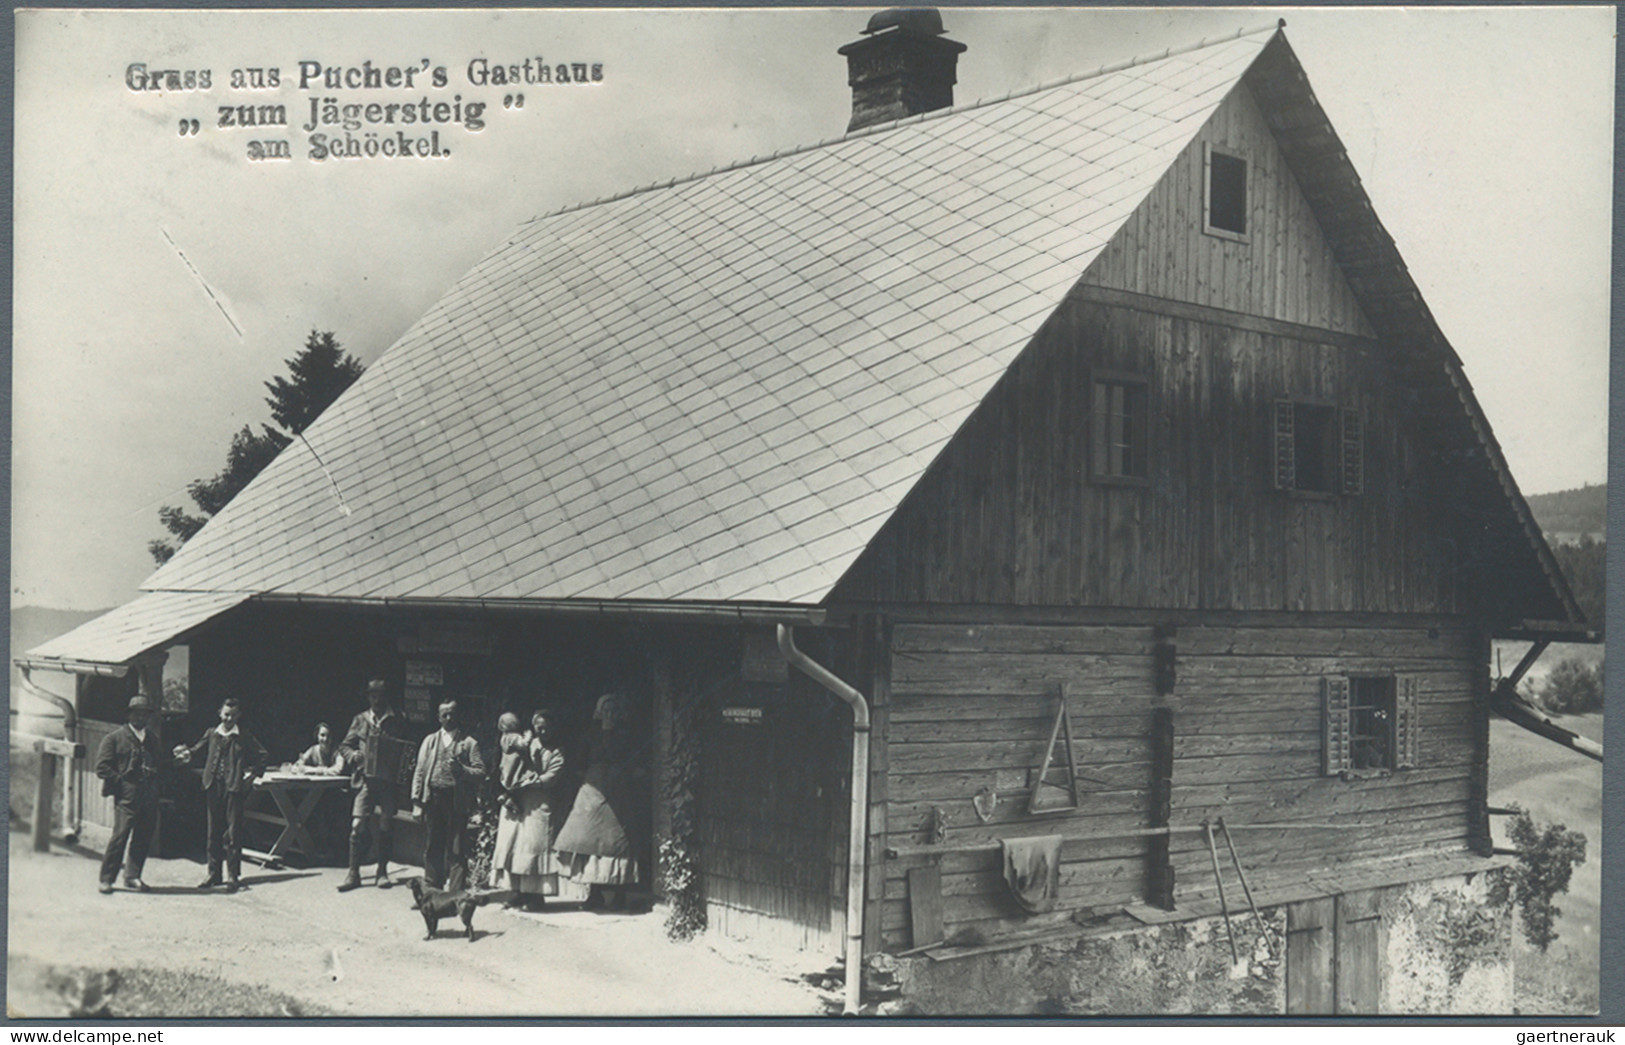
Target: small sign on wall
x=760, y=659
x=424, y=673
x=742, y=716
x=419, y=702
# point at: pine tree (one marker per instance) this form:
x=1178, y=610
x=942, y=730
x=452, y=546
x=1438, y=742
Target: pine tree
x=318, y=374
x=321, y=371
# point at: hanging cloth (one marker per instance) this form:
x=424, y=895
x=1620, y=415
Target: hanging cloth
x=1032, y=870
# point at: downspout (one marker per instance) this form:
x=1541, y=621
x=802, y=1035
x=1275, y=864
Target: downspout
x=72, y=808
x=857, y=840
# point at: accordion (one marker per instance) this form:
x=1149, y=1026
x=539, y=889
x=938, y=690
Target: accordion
x=383, y=756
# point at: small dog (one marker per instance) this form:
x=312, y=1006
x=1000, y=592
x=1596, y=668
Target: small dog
x=435, y=904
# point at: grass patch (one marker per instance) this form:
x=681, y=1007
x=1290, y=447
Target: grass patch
x=55, y=992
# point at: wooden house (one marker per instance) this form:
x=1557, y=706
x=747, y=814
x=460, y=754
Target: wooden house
x=1095, y=436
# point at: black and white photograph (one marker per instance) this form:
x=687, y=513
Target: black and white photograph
x=798, y=512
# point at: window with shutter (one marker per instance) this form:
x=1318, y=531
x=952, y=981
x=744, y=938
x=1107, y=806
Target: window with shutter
x=1319, y=448
x=1407, y=721
x=1353, y=453
x=1370, y=724
x=1335, y=721
x=1285, y=453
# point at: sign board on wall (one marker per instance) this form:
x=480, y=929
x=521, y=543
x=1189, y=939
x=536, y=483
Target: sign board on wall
x=760, y=659
x=742, y=716
x=424, y=673
x=419, y=703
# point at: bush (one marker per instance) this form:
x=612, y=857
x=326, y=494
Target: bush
x=1547, y=857
x=1573, y=687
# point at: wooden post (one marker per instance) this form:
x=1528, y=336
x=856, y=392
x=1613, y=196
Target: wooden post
x=1159, y=865
x=44, y=792
x=874, y=640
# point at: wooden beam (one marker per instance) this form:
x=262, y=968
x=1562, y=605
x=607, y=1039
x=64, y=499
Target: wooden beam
x=49, y=745
x=1159, y=865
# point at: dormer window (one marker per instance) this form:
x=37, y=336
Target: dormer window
x=1225, y=205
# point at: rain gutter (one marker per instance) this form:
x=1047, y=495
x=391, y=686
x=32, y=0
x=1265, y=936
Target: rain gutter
x=649, y=609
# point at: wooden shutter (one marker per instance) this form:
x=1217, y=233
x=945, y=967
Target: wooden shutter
x=1334, y=720
x=1407, y=721
x=1286, y=474
x=1353, y=453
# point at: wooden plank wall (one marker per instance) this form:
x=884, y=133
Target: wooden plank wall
x=971, y=708
x=772, y=812
x=1285, y=270
x=1008, y=513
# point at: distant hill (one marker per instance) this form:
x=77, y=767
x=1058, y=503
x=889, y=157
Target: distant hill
x=1568, y=514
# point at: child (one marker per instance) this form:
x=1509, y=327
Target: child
x=514, y=769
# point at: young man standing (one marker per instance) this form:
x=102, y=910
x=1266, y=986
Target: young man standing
x=235, y=758
x=127, y=763
x=445, y=791
x=373, y=750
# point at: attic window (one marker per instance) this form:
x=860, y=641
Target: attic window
x=1319, y=448
x=1226, y=202
x=1370, y=723
x=1119, y=433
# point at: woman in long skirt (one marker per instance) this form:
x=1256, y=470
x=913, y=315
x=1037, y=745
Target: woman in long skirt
x=596, y=845
x=523, y=859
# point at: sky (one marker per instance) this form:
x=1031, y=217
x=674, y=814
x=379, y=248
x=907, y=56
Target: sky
x=160, y=276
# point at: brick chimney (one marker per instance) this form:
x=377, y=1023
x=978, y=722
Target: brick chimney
x=901, y=67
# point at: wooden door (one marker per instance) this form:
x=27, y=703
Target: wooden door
x=1311, y=928
x=1357, y=957
x=1333, y=956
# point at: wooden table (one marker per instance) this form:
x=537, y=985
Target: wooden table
x=294, y=796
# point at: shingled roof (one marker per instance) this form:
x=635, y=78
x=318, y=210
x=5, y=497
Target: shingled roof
x=716, y=390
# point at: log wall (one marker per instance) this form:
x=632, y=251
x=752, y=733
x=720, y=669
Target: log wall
x=971, y=707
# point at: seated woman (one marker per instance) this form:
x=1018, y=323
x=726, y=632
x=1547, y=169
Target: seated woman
x=323, y=756
x=330, y=820
x=529, y=768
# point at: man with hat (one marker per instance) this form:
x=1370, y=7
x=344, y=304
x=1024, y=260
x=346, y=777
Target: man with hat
x=127, y=763
x=373, y=750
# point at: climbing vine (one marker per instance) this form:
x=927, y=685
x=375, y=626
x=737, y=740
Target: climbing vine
x=679, y=867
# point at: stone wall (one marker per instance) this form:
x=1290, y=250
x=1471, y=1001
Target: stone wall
x=1447, y=946
x=1444, y=947
x=1177, y=969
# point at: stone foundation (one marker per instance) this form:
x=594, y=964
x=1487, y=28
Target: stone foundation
x=1444, y=947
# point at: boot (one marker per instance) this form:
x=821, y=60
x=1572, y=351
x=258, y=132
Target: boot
x=353, y=879
x=382, y=880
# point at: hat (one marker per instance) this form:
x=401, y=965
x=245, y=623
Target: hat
x=376, y=685
x=139, y=702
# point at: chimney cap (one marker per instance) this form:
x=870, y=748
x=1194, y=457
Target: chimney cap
x=925, y=21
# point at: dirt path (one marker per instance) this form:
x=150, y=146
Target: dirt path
x=363, y=953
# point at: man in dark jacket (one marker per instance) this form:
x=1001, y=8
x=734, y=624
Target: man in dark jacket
x=127, y=763
x=374, y=749
x=235, y=758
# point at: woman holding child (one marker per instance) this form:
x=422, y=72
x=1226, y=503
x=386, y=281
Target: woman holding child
x=530, y=764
